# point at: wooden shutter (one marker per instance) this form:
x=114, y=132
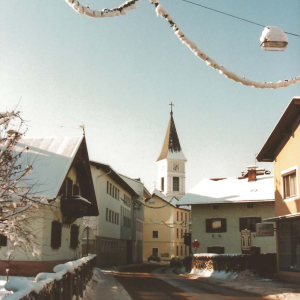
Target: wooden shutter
x=243, y=224
x=74, y=234
x=56, y=235
x=75, y=190
x=223, y=225
x=69, y=187
x=208, y=225
x=3, y=240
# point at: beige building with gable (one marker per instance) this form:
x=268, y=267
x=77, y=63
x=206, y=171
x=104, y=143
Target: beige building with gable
x=283, y=149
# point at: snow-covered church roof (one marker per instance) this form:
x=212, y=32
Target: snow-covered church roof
x=171, y=147
x=230, y=190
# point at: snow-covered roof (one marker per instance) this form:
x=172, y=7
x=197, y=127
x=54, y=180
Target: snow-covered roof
x=230, y=190
x=171, y=147
x=51, y=159
x=172, y=200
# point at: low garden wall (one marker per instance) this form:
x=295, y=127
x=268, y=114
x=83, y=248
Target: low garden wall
x=263, y=265
x=67, y=283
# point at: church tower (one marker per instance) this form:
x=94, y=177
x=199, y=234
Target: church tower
x=171, y=164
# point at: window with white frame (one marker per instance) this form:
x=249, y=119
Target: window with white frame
x=289, y=181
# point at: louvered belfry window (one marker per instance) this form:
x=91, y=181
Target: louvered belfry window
x=176, y=184
x=74, y=236
x=56, y=235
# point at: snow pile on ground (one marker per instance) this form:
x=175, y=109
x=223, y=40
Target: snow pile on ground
x=248, y=282
x=21, y=286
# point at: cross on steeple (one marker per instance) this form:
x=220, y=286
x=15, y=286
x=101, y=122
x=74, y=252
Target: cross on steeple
x=171, y=107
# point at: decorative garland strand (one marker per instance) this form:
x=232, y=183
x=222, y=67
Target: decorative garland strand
x=106, y=12
x=161, y=11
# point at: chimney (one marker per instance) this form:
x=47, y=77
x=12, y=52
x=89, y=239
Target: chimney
x=252, y=173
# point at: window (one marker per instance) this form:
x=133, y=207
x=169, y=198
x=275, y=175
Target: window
x=181, y=216
x=118, y=194
x=162, y=182
x=216, y=225
x=113, y=191
x=289, y=184
x=216, y=250
x=107, y=187
x=181, y=251
x=110, y=215
x=177, y=216
x=74, y=234
x=177, y=252
x=250, y=205
x=249, y=223
x=177, y=232
x=110, y=187
x=215, y=206
x=3, y=240
x=56, y=235
x=182, y=233
x=185, y=217
x=176, y=184
x=107, y=214
x=155, y=234
x=155, y=251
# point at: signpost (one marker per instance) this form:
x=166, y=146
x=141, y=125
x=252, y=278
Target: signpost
x=264, y=229
x=196, y=245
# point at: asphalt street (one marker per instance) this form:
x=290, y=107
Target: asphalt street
x=154, y=282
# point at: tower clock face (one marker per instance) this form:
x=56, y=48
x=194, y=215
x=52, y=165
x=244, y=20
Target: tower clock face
x=175, y=167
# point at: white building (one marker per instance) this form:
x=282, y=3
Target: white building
x=223, y=207
x=113, y=228
x=62, y=176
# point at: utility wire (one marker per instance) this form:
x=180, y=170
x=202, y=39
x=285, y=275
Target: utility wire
x=221, y=12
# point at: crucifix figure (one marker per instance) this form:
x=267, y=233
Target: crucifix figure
x=171, y=106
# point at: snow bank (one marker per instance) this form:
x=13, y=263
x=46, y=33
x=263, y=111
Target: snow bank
x=22, y=286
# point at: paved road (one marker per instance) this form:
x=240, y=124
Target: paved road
x=154, y=282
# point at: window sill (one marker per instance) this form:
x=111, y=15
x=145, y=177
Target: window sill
x=291, y=198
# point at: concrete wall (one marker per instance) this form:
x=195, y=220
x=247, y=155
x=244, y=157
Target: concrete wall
x=230, y=240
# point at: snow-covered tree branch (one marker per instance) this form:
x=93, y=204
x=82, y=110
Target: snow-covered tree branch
x=18, y=203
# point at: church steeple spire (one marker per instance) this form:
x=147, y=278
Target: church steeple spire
x=171, y=146
x=171, y=163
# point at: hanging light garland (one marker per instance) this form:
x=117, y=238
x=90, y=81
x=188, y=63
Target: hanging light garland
x=161, y=11
x=104, y=13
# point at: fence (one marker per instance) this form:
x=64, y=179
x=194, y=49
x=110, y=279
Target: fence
x=264, y=265
x=68, y=283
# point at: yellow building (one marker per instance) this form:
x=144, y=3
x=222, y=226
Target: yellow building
x=283, y=148
x=165, y=223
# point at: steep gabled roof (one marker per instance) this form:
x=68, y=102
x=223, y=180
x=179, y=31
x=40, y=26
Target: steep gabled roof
x=116, y=177
x=171, y=147
x=282, y=132
x=52, y=159
x=231, y=190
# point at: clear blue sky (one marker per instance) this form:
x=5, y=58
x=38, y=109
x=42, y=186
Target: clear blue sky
x=118, y=75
